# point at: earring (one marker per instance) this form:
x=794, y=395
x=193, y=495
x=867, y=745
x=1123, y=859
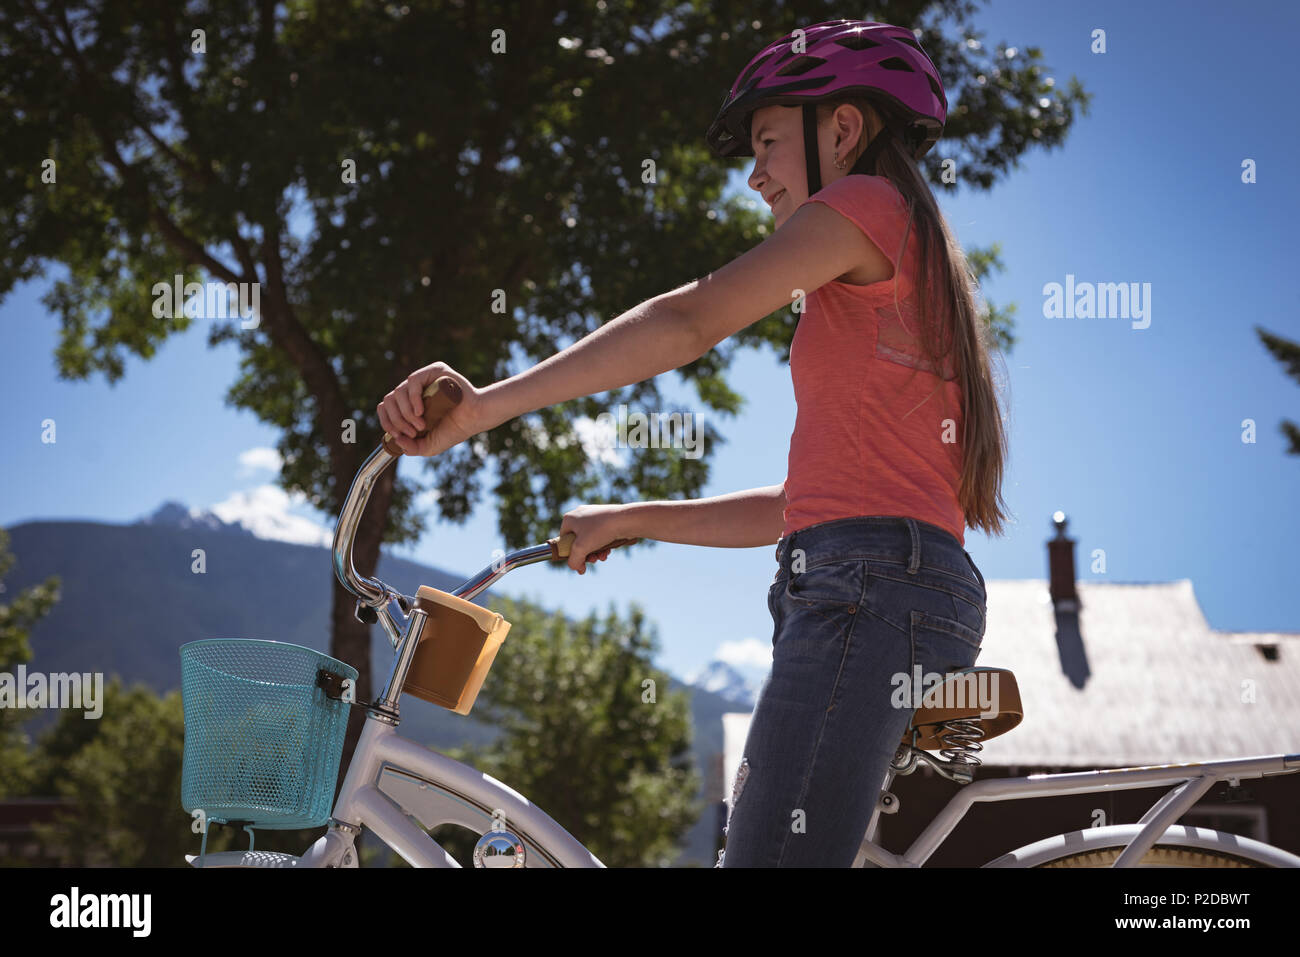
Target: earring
x=836, y=160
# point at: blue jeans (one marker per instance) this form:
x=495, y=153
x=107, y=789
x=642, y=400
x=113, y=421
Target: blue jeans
x=857, y=604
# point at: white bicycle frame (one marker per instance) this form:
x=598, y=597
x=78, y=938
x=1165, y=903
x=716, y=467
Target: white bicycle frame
x=392, y=780
x=392, y=783
x=1189, y=781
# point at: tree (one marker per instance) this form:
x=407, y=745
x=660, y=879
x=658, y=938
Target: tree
x=1287, y=352
x=17, y=616
x=121, y=774
x=481, y=183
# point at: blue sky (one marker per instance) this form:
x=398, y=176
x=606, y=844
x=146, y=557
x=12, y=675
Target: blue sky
x=1134, y=433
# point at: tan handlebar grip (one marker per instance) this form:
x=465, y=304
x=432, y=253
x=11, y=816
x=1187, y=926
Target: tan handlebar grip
x=440, y=397
x=562, y=547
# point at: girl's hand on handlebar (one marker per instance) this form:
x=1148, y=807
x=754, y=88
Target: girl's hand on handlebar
x=401, y=413
x=595, y=526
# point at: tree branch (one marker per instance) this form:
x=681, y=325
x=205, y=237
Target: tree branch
x=281, y=323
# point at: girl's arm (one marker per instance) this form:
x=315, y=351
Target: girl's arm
x=643, y=342
x=816, y=245
x=667, y=332
x=735, y=520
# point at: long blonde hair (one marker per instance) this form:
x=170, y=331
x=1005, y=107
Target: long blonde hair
x=984, y=438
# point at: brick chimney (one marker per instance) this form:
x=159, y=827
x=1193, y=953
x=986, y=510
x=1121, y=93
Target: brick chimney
x=1060, y=563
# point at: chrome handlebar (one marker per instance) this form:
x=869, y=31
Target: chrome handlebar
x=373, y=593
x=369, y=590
x=373, y=596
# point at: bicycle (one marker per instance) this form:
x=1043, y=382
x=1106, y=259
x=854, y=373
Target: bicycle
x=264, y=751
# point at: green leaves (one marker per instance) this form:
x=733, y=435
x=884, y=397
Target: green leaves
x=17, y=616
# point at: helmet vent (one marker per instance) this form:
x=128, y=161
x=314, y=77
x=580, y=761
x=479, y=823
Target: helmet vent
x=857, y=42
x=896, y=63
x=911, y=42
x=802, y=65
x=936, y=89
x=745, y=77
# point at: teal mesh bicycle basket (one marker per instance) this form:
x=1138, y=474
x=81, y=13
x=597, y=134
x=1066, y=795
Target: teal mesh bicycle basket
x=263, y=738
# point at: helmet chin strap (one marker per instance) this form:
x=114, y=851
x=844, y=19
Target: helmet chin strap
x=810, y=148
x=865, y=164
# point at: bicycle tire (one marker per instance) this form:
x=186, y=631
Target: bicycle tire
x=1161, y=855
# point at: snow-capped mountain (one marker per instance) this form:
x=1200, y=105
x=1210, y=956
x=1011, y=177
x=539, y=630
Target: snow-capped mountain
x=730, y=682
x=176, y=515
x=264, y=512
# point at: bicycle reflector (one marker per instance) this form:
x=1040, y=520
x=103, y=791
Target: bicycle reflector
x=456, y=649
x=264, y=729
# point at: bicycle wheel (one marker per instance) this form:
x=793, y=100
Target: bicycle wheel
x=1161, y=855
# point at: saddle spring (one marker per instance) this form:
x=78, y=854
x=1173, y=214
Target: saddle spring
x=960, y=738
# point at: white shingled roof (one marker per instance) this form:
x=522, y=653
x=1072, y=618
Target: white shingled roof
x=1143, y=680
x=1156, y=685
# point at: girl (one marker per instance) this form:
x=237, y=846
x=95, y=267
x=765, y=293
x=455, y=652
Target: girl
x=898, y=443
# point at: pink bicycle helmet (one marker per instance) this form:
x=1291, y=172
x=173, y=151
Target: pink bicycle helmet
x=876, y=60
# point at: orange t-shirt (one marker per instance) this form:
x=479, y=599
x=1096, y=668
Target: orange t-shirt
x=865, y=441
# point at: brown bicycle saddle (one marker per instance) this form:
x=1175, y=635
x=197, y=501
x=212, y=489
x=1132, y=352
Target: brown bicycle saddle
x=957, y=698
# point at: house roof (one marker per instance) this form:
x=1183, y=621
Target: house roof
x=1138, y=677
x=1142, y=679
